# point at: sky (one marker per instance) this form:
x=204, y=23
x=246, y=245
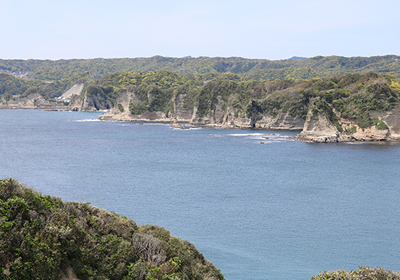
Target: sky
x=48, y=29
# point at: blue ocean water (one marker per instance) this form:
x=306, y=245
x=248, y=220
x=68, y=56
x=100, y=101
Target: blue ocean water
x=282, y=210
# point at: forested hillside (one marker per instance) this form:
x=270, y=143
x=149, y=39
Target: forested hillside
x=10, y=85
x=250, y=69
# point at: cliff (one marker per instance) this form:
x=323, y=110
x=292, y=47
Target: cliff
x=90, y=101
x=342, y=108
x=339, y=109
x=43, y=237
x=320, y=130
x=221, y=115
x=219, y=103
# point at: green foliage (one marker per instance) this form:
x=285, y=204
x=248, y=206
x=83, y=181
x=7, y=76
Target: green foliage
x=40, y=236
x=351, y=96
x=19, y=86
x=352, y=129
x=363, y=273
x=248, y=69
x=137, y=108
x=114, y=75
x=15, y=86
x=374, y=94
x=207, y=97
x=120, y=108
x=320, y=106
x=381, y=125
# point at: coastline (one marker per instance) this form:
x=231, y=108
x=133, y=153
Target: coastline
x=313, y=131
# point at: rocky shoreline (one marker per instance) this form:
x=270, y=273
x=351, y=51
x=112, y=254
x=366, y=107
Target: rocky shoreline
x=314, y=128
x=318, y=129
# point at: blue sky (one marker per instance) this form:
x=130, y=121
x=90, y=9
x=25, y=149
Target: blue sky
x=48, y=29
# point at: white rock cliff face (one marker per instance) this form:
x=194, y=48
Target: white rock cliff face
x=315, y=128
x=392, y=120
x=220, y=116
x=94, y=102
x=74, y=90
x=319, y=129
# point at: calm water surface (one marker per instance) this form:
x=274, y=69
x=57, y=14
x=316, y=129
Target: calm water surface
x=282, y=210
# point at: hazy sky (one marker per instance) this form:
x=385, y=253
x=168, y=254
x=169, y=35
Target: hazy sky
x=59, y=29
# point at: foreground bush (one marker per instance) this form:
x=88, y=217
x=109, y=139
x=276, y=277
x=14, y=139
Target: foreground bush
x=43, y=237
x=363, y=273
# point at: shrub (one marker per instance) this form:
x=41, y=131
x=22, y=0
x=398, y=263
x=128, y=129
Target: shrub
x=137, y=108
x=352, y=129
x=363, y=273
x=381, y=125
x=42, y=235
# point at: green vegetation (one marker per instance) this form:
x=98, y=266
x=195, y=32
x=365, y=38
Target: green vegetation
x=137, y=108
x=363, y=273
x=351, y=96
x=249, y=69
x=381, y=125
x=41, y=236
x=352, y=129
x=241, y=94
x=121, y=108
x=10, y=85
x=241, y=76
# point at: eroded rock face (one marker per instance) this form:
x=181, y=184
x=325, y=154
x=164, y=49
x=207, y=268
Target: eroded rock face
x=220, y=116
x=370, y=134
x=181, y=114
x=318, y=129
x=74, y=90
x=282, y=121
x=392, y=120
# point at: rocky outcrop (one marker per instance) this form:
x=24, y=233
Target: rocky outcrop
x=320, y=130
x=392, y=120
x=90, y=102
x=281, y=121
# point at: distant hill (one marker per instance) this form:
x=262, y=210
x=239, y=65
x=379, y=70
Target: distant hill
x=297, y=57
x=249, y=69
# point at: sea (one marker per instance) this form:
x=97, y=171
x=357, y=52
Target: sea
x=256, y=203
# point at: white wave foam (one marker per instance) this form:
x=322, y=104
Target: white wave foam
x=247, y=134
x=87, y=120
